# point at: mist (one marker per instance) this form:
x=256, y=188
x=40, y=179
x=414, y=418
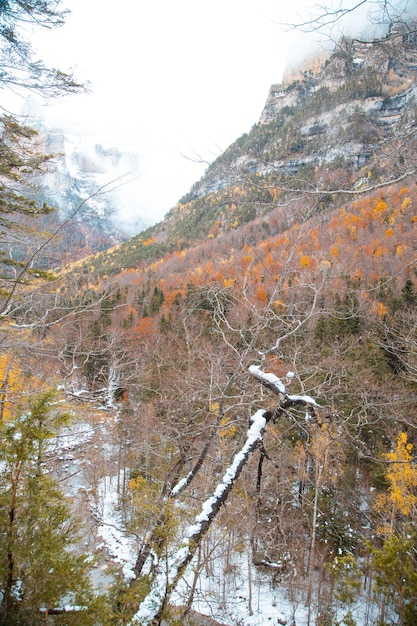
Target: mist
x=314, y=37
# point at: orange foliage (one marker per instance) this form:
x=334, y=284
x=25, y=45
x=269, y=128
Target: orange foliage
x=170, y=297
x=261, y=293
x=380, y=208
x=381, y=309
x=145, y=326
x=269, y=260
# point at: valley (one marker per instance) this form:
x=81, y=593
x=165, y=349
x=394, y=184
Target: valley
x=226, y=400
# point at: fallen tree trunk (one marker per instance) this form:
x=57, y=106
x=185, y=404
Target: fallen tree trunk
x=152, y=608
x=154, y=538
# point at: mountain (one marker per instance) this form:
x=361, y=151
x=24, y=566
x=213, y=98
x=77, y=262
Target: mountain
x=81, y=169
x=342, y=126
x=243, y=374
x=85, y=178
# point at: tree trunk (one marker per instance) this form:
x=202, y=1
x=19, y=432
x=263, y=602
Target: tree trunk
x=10, y=575
x=152, y=609
x=155, y=536
x=153, y=606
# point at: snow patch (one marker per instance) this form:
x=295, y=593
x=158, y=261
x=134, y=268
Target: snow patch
x=121, y=547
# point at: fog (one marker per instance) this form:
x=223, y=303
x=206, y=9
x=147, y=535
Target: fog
x=177, y=83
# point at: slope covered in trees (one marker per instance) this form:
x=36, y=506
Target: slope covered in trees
x=331, y=299
x=250, y=366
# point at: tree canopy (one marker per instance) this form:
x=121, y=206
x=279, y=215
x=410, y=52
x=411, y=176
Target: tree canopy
x=19, y=66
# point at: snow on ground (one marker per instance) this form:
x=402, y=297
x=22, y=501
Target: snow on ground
x=121, y=547
x=231, y=593
x=71, y=437
x=228, y=589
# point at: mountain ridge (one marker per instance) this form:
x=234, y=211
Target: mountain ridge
x=346, y=128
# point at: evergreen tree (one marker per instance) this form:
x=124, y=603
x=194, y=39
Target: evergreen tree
x=19, y=160
x=19, y=68
x=40, y=571
x=395, y=565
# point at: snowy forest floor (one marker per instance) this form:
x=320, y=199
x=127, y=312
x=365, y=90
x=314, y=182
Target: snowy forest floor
x=226, y=586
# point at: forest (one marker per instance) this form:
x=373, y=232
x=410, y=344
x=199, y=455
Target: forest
x=219, y=413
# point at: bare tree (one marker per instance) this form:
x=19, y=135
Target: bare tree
x=380, y=14
x=153, y=606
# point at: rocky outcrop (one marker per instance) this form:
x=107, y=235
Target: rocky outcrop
x=339, y=108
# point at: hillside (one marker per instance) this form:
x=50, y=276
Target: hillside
x=242, y=375
x=348, y=125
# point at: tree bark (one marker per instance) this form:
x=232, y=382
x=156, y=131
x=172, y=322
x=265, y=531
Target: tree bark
x=155, y=535
x=152, y=609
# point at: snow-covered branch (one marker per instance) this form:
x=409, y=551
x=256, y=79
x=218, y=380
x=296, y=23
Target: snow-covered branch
x=152, y=607
x=275, y=384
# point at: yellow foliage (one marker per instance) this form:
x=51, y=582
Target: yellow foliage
x=12, y=384
x=385, y=530
x=228, y=430
x=380, y=207
x=138, y=484
x=305, y=260
x=402, y=477
x=389, y=232
x=228, y=282
x=405, y=204
x=144, y=498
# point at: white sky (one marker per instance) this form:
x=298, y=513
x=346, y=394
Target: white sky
x=169, y=78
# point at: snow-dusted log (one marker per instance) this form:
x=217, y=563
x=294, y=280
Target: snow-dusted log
x=152, y=607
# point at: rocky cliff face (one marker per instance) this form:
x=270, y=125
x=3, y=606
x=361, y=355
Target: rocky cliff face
x=85, y=178
x=81, y=168
x=336, y=110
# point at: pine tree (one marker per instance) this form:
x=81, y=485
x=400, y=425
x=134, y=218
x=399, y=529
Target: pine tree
x=40, y=571
x=395, y=565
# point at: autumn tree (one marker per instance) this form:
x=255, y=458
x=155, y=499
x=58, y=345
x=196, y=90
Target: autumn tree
x=153, y=607
x=395, y=561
